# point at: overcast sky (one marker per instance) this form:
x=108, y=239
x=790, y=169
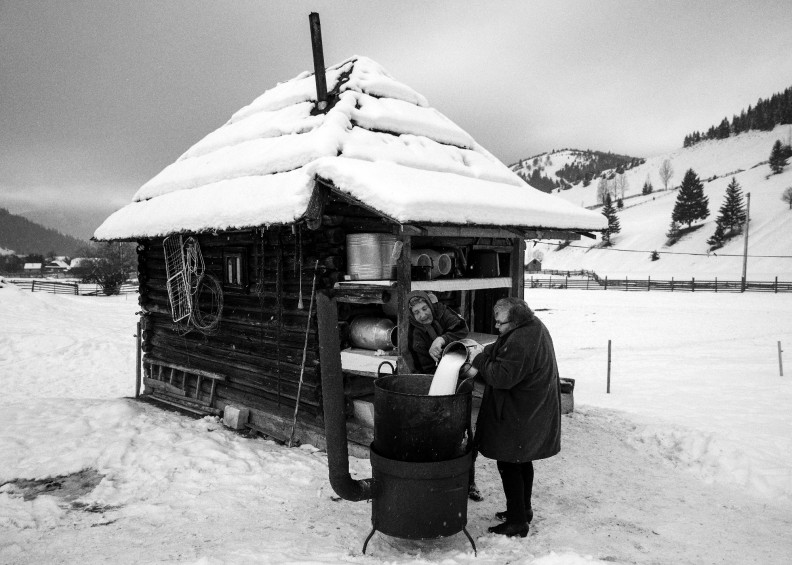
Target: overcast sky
x=98, y=96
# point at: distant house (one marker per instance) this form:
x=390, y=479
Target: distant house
x=32, y=268
x=533, y=266
x=81, y=266
x=56, y=266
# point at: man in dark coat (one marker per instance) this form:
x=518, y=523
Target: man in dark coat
x=432, y=327
x=520, y=416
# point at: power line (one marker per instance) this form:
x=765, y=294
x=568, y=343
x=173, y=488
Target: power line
x=712, y=254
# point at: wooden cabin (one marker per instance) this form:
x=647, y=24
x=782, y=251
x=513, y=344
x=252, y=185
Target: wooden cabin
x=237, y=238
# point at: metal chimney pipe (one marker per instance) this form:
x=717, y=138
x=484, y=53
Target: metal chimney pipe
x=318, y=59
x=333, y=403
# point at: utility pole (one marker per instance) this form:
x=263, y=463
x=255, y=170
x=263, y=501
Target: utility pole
x=745, y=247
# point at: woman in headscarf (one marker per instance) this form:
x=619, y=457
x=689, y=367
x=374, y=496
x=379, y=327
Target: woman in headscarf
x=432, y=327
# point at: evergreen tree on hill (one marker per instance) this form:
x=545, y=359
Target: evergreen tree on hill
x=777, y=157
x=613, y=220
x=732, y=212
x=691, y=204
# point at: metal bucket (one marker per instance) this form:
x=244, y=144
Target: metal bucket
x=410, y=425
x=439, y=263
x=364, y=257
x=466, y=347
x=389, y=255
x=373, y=333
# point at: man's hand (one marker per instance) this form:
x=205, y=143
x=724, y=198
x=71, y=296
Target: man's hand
x=437, y=348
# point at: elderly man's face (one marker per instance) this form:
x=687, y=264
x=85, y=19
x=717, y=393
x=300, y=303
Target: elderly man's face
x=422, y=313
x=502, y=321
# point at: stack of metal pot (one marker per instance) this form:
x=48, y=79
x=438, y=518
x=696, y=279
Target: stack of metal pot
x=420, y=459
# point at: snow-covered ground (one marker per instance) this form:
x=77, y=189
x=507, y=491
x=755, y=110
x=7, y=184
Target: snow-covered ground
x=688, y=460
x=645, y=219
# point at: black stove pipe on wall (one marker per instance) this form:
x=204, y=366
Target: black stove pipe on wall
x=333, y=403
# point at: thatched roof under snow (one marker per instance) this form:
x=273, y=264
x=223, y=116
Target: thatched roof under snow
x=380, y=143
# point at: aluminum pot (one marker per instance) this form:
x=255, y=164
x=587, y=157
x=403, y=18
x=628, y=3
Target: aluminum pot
x=368, y=332
x=364, y=257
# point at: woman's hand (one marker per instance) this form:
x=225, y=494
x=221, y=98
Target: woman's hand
x=436, y=348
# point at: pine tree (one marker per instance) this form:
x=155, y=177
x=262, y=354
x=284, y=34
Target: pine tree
x=717, y=238
x=647, y=187
x=777, y=159
x=732, y=212
x=673, y=233
x=691, y=204
x=613, y=220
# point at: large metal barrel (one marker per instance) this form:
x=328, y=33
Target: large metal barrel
x=419, y=500
x=410, y=425
x=364, y=257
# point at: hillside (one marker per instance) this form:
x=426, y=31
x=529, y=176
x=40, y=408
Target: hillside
x=566, y=167
x=645, y=219
x=23, y=236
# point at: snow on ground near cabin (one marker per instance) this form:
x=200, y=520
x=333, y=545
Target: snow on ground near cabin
x=645, y=219
x=687, y=461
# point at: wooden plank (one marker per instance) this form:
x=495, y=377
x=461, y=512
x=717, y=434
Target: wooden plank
x=444, y=285
x=161, y=386
x=186, y=405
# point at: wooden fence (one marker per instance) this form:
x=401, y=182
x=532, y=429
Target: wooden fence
x=74, y=288
x=586, y=281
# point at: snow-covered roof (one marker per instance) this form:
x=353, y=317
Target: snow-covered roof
x=57, y=264
x=32, y=266
x=380, y=143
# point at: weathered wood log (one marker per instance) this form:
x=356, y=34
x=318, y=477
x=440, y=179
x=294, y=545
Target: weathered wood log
x=362, y=294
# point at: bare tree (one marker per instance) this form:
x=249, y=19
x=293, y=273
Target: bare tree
x=666, y=172
x=787, y=196
x=602, y=190
x=620, y=186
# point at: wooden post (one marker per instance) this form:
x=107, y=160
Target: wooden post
x=137, y=367
x=780, y=361
x=693, y=284
x=775, y=286
x=518, y=268
x=672, y=284
x=716, y=284
x=745, y=246
x=626, y=283
x=403, y=288
x=606, y=282
x=609, y=365
x=649, y=283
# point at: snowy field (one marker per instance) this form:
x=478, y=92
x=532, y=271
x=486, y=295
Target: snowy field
x=688, y=460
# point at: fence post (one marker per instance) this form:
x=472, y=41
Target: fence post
x=33, y=287
x=609, y=365
x=672, y=284
x=625, y=284
x=775, y=286
x=716, y=284
x=648, y=283
x=606, y=282
x=780, y=362
x=137, y=368
x=587, y=282
x=566, y=282
x=693, y=284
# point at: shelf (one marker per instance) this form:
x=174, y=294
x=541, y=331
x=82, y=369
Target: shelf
x=358, y=360
x=440, y=285
x=443, y=285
